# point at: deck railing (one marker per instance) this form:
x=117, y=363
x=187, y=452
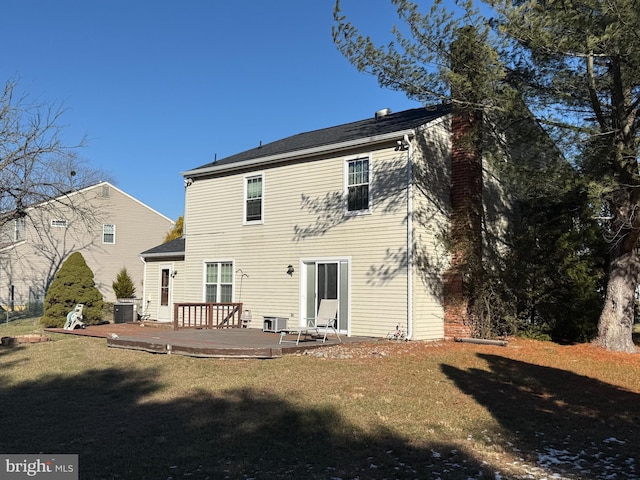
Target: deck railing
x=207, y=315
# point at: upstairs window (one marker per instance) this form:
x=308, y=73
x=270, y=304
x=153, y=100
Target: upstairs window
x=108, y=233
x=357, y=187
x=19, y=229
x=253, y=199
x=218, y=282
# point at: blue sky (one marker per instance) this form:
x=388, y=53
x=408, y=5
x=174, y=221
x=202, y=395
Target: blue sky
x=160, y=87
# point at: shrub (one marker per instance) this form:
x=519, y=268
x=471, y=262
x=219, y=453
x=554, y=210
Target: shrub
x=123, y=286
x=72, y=284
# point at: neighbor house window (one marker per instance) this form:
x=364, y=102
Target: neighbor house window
x=218, y=282
x=19, y=229
x=253, y=199
x=357, y=180
x=108, y=233
x=59, y=223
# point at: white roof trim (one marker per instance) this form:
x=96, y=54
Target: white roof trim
x=90, y=187
x=11, y=245
x=298, y=153
x=162, y=254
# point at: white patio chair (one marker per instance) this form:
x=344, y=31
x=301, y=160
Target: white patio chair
x=324, y=322
x=327, y=318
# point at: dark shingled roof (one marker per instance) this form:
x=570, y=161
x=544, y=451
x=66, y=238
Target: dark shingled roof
x=172, y=248
x=371, y=127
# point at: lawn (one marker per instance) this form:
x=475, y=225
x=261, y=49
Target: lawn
x=370, y=411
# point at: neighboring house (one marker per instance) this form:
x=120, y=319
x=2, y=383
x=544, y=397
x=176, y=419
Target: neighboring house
x=108, y=226
x=357, y=212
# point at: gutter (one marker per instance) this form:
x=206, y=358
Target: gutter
x=144, y=285
x=162, y=254
x=334, y=147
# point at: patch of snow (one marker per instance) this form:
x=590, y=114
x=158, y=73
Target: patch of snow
x=613, y=440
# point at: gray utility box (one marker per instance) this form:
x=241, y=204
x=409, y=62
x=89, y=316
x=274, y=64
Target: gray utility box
x=274, y=324
x=123, y=312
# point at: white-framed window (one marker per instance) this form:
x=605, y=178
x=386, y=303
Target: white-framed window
x=357, y=183
x=58, y=223
x=253, y=199
x=218, y=282
x=19, y=229
x=108, y=233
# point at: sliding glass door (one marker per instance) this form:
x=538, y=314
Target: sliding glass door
x=327, y=279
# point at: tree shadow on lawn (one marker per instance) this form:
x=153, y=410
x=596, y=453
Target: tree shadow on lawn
x=566, y=422
x=107, y=418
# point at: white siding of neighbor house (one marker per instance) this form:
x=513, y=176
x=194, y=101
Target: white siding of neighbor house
x=34, y=262
x=304, y=219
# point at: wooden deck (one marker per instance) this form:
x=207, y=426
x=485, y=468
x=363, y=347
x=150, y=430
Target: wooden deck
x=213, y=343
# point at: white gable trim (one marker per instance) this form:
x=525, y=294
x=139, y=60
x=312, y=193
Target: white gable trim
x=92, y=187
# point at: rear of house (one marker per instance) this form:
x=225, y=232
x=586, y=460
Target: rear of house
x=334, y=213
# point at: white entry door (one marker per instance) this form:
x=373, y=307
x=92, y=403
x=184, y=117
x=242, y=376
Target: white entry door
x=165, y=294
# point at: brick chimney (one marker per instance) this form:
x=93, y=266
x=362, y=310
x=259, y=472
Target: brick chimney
x=465, y=227
x=465, y=197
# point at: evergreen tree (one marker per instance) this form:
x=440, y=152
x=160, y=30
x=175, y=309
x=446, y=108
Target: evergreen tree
x=556, y=268
x=574, y=65
x=123, y=286
x=72, y=284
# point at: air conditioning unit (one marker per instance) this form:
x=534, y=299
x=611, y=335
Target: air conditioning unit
x=123, y=312
x=274, y=324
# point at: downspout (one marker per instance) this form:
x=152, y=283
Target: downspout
x=409, y=146
x=143, y=304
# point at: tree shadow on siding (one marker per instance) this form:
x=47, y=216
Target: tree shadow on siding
x=106, y=417
x=389, y=198
x=566, y=422
x=387, y=193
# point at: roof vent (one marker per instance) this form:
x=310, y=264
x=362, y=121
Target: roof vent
x=382, y=113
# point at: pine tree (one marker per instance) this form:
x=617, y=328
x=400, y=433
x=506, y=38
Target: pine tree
x=573, y=66
x=72, y=284
x=123, y=286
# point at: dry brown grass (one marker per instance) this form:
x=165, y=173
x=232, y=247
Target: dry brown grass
x=381, y=410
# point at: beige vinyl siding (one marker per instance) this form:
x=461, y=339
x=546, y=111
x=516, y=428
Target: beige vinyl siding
x=31, y=264
x=431, y=206
x=151, y=297
x=497, y=205
x=304, y=218
x=152, y=288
